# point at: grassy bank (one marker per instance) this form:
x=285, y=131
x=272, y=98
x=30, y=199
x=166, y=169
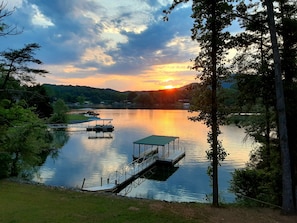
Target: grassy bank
x=35, y=203
x=73, y=118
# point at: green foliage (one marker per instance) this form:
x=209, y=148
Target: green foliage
x=14, y=63
x=23, y=138
x=211, y=18
x=72, y=94
x=60, y=110
x=144, y=100
x=256, y=186
x=23, y=135
x=5, y=161
x=81, y=100
x=59, y=138
x=256, y=85
x=37, y=98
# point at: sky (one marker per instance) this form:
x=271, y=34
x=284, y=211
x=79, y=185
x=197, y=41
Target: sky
x=118, y=44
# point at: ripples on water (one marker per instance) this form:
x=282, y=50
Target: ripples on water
x=87, y=158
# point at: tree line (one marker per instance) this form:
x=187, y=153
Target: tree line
x=265, y=67
x=82, y=96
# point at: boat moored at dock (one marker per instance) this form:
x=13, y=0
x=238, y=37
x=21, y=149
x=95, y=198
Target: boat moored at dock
x=102, y=127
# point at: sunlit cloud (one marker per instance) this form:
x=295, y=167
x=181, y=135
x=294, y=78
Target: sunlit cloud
x=40, y=19
x=172, y=67
x=97, y=55
x=124, y=45
x=72, y=69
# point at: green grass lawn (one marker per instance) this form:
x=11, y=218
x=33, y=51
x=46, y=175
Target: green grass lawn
x=72, y=118
x=21, y=203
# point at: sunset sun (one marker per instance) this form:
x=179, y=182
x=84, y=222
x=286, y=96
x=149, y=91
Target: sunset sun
x=169, y=87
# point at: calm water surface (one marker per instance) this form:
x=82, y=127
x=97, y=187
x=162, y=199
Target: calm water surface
x=81, y=157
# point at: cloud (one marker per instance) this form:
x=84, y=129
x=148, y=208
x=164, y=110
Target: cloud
x=39, y=19
x=103, y=39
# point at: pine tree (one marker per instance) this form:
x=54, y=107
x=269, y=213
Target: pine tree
x=211, y=18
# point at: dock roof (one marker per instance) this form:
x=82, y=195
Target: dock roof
x=156, y=140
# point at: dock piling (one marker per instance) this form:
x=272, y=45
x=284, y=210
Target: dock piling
x=82, y=186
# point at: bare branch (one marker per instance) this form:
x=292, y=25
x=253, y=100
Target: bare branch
x=4, y=28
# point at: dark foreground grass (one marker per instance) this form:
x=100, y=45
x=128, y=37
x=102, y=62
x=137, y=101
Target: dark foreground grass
x=35, y=203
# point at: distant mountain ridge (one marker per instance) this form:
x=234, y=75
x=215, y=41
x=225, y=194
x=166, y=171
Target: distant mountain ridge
x=84, y=95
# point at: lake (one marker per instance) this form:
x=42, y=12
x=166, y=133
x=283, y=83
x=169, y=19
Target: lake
x=81, y=157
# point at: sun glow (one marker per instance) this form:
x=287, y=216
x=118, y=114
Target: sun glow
x=169, y=87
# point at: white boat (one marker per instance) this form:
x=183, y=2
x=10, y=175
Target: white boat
x=90, y=114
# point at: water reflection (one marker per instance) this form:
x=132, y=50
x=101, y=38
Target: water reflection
x=59, y=138
x=92, y=159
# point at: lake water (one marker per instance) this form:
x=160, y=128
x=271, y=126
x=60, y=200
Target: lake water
x=81, y=157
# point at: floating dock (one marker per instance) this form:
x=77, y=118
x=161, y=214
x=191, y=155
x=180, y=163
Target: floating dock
x=58, y=126
x=102, y=127
x=147, y=152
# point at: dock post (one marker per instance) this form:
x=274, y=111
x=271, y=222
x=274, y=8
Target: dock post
x=82, y=186
x=101, y=181
x=107, y=180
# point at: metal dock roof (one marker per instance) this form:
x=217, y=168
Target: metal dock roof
x=156, y=140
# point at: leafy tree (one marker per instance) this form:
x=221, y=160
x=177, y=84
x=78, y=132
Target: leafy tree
x=81, y=99
x=131, y=96
x=288, y=53
x=37, y=98
x=14, y=63
x=257, y=89
x=60, y=110
x=255, y=77
x=256, y=184
x=144, y=100
x=211, y=18
x=23, y=138
x=287, y=202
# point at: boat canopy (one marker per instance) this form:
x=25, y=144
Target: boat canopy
x=156, y=140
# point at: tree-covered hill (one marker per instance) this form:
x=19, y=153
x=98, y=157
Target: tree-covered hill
x=89, y=96
x=74, y=94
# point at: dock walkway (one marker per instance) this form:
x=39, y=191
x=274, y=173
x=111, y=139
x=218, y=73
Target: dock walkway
x=119, y=179
x=123, y=177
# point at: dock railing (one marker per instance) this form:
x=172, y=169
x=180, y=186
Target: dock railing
x=168, y=153
x=132, y=169
x=125, y=173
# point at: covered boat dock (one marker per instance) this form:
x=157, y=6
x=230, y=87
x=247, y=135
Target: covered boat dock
x=147, y=152
x=166, y=147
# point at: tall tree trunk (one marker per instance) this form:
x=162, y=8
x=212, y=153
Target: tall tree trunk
x=214, y=118
x=287, y=190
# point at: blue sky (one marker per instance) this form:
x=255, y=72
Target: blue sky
x=118, y=44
